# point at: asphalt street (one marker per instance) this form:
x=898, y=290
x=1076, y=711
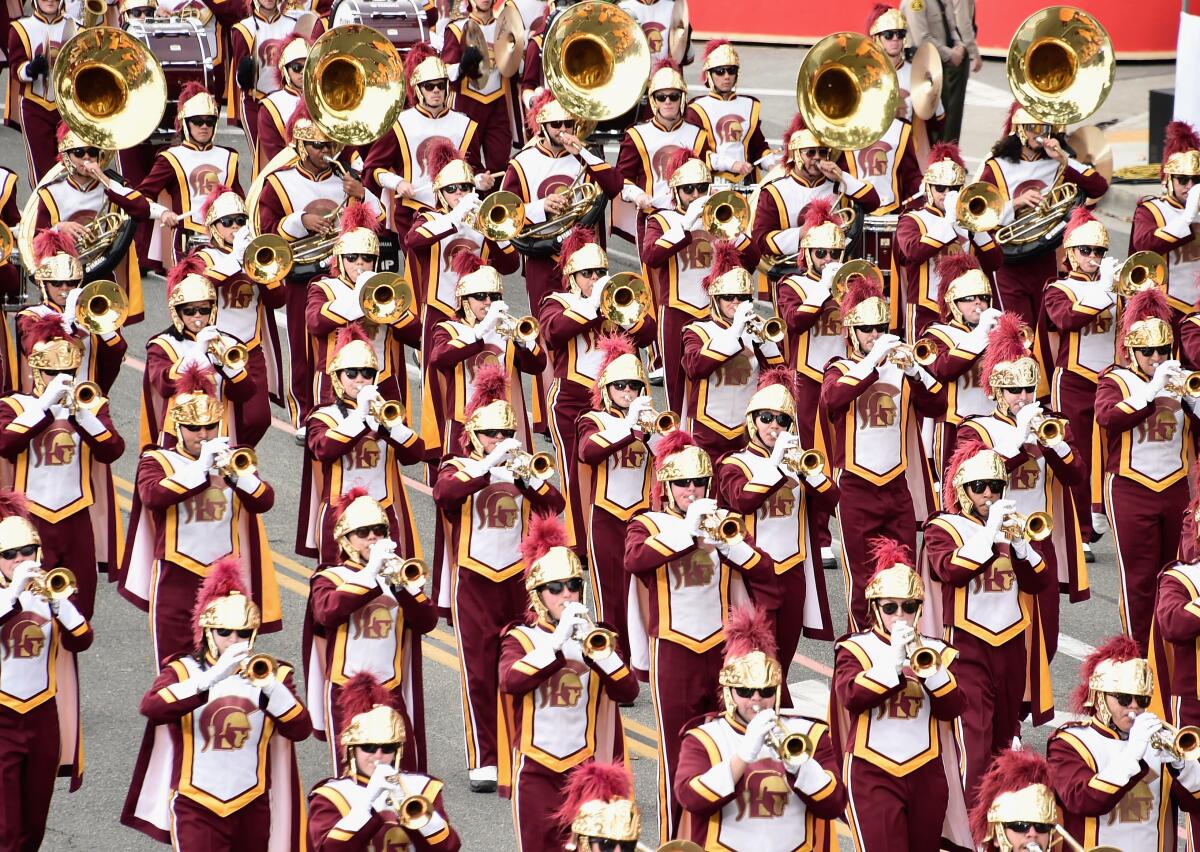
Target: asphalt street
x=117, y=669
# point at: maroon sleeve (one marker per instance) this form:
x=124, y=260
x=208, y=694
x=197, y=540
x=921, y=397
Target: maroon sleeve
x=1146, y=235
x=420, y=612
x=766, y=222
x=837, y=396
x=1189, y=340
x=159, y=709
x=732, y=492
x=1108, y=415
x=545, y=499
x=296, y=726
x=851, y=693
x=590, y=449
x=640, y=557
x=1072, y=779
x=323, y=815
x=559, y=327
x=514, y=681
x=655, y=255
x=109, y=355
x=697, y=363
x=1178, y=623
x=323, y=447
x=154, y=495
x=1061, y=309
x=76, y=643
x=504, y=259
x=384, y=156
x=909, y=243
x=108, y=446
x=258, y=503
x=332, y=607
x=156, y=181
x=450, y=492
x=629, y=163
x=316, y=320
x=797, y=316
x=14, y=441
x=269, y=140
x=1093, y=185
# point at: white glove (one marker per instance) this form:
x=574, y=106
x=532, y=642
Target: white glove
x=380, y=785
x=22, y=574
x=69, y=309
x=884, y=344
x=1020, y=548
x=741, y=317
x=366, y=395
x=209, y=451
x=1145, y=726
x=241, y=241
x=207, y=336
x=828, y=272
x=568, y=623
x=950, y=205
x=696, y=511
x=1025, y=419
x=1192, y=205
x=996, y=515
x=55, y=391
x=941, y=228
x=1163, y=373
x=501, y=453
x=783, y=443
x=381, y=552
x=756, y=734
x=637, y=408
x=1108, y=272
x=469, y=204
x=229, y=661
x=988, y=320
x=597, y=291
x=491, y=319
x=902, y=634
x=694, y=214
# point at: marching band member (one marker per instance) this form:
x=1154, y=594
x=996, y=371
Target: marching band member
x=186, y=173
x=737, y=789
x=889, y=27
x=1147, y=418
x=655, y=18
x=348, y=447
x=1026, y=164
x=224, y=776
x=1176, y=621
x=1043, y=467
x=560, y=691
x=984, y=578
x=895, y=770
x=599, y=811
x=1082, y=308
x=191, y=508
x=615, y=467
x=357, y=811
x=32, y=44
x=931, y=232
x=59, y=276
x=781, y=503
x=687, y=579
x=960, y=339
x=731, y=120
x=485, y=505
x=558, y=159
x=40, y=736
x=276, y=108
x=677, y=252
x=246, y=308
x=1167, y=223
x=62, y=447
x=477, y=336
x=10, y=276
x=724, y=354
x=872, y=403
x=571, y=324
x=399, y=162
x=1114, y=772
x=297, y=201
x=811, y=174
x=362, y=617
x=192, y=338
x=1016, y=810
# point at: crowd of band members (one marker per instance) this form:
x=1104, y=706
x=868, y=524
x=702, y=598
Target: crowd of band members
x=949, y=448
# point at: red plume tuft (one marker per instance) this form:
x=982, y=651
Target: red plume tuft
x=490, y=384
x=968, y=445
x=300, y=113
x=795, y=127
x=61, y=131
x=613, y=346
x=886, y=552
x=342, y=503
x=13, y=504
x=545, y=531
x=465, y=262
x=1180, y=137
x=1145, y=304
x=1005, y=343
x=675, y=162
x=590, y=782
x=877, y=11
x=51, y=241
x=442, y=152
x=1081, y=215
x=543, y=97
x=43, y=329
x=950, y=267
x=819, y=211
x=665, y=62
x=785, y=376
x=1117, y=648
x=1012, y=770
x=945, y=151
x=359, y=215
x=725, y=256
x=668, y=445
x=225, y=577
x=417, y=54
x=294, y=36
x=190, y=265
x=360, y=693
x=1008, y=119
x=210, y=199
x=349, y=333
x=196, y=378
x=577, y=238
x=748, y=629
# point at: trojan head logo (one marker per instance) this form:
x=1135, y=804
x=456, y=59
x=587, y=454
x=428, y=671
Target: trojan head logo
x=1026, y=477
x=320, y=206
x=237, y=295
x=662, y=155
x=202, y=179
x=373, y=621
x=695, y=569
x=1040, y=186
x=630, y=457
x=729, y=128
x=268, y=64
x=54, y=447
x=423, y=152
x=83, y=217
x=955, y=246
x=999, y=577
x=490, y=356
x=552, y=184
x=765, y=791
x=23, y=637
x=973, y=376
x=877, y=407
x=225, y=723
x=1159, y=427
x=736, y=372
x=396, y=840
x=698, y=253
x=830, y=323
x=207, y=507
x=366, y=455
x=564, y=688
x=453, y=247
x=905, y=704
x=496, y=507
x=1135, y=806
x=654, y=35
x=873, y=161
x=1101, y=324
x=781, y=504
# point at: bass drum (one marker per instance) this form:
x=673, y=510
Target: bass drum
x=181, y=46
x=878, y=241
x=399, y=21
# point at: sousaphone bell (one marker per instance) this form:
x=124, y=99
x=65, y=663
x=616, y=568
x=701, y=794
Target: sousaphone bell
x=354, y=84
x=847, y=91
x=1061, y=65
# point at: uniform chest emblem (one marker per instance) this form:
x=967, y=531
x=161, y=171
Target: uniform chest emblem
x=496, y=507
x=764, y=793
x=225, y=723
x=22, y=637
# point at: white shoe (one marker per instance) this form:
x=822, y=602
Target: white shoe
x=828, y=560
x=483, y=779
x=301, y=433
x=1088, y=556
x=1100, y=523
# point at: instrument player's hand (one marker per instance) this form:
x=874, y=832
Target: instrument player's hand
x=55, y=391
x=1108, y=272
x=500, y=454
x=353, y=187
x=696, y=512
x=902, y=634
x=208, y=335
x=1163, y=373
x=23, y=573
x=74, y=230
x=694, y=214
x=988, y=319
x=315, y=223
x=637, y=408
x=884, y=344
x=741, y=318
x=784, y=442
x=209, y=451
x=1025, y=418
x=996, y=515
x=70, y=308
x=229, y=662
x=830, y=169
x=571, y=142
x=1028, y=199
x=1192, y=205
x=381, y=552
x=39, y=66
x=555, y=203
x=484, y=181
x=1054, y=149
x=93, y=170
x=380, y=783
x=169, y=219
x=756, y=734
x=492, y=318
x=366, y=397
x=467, y=205
x=1145, y=726
x=568, y=624
x=828, y=273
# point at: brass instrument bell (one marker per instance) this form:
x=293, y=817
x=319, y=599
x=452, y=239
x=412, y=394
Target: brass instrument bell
x=658, y=422
x=94, y=13
x=267, y=259
x=1036, y=526
x=1050, y=430
x=404, y=572
x=847, y=91
x=924, y=351
x=527, y=465
x=388, y=412
x=979, y=207
x=353, y=84
x=239, y=461
x=804, y=462
x=625, y=299
x=102, y=307
x=722, y=525
x=1188, y=384
x=1141, y=271
x=1061, y=65
x=384, y=297
x=228, y=352
x=521, y=329
x=1180, y=743
x=922, y=659
x=500, y=216
x=599, y=642
x=852, y=269
x=788, y=745
x=259, y=670
x=766, y=329
x=726, y=214
x=58, y=584
x=414, y=811
x=85, y=396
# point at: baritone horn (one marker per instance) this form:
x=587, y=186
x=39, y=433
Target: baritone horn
x=58, y=584
x=385, y=297
x=520, y=329
x=979, y=207
x=526, y=465
x=1141, y=271
x=102, y=307
x=267, y=259
x=1180, y=743
x=599, y=642
x=726, y=214
x=722, y=525
x=804, y=462
x=1036, y=526
x=259, y=669
x=238, y=461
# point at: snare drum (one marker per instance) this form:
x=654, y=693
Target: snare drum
x=182, y=47
x=399, y=21
x=878, y=239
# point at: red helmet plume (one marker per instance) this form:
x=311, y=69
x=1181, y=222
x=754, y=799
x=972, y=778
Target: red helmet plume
x=613, y=346
x=712, y=45
x=593, y=781
x=213, y=194
x=1180, y=137
x=224, y=578
x=545, y=531
x=749, y=629
x=51, y=241
x=785, y=376
x=13, y=503
x=858, y=291
x=417, y=54
x=675, y=161
x=300, y=113
x=1116, y=648
x=465, y=262
x=968, y=445
x=886, y=552
x=1145, y=304
x=441, y=153
x=348, y=333
x=797, y=124
x=668, y=445
x=190, y=265
x=1081, y=215
x=1008, y=119
x=945, y=151
x=490, y=384
x=725, y=256
x=820, y=211
x=665, y=62
x=577, y=238
x=61, y=131
x=190, y=90
x=359, y=694
x=359, y=215
x=1005, y=343
x=43, y=329
x=540, y=99
x=196, y=378
x=1013, y=769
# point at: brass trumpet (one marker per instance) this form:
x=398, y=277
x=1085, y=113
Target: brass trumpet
x=723, y=525
x=804, y=462
x=658, y=422
x=598, y=642
x=1049, y=430
x=789, y=745
x=267, y=259
x=726, y=214
x=1037, y=526
x=527, y=465
x=85, y=396
x=259, y=669
x=520, y=329
x=1070, y=843
x=229, y=353
x=923, y=352
x=766, y=329
x=102, y=307
x=57, y=584
x=238, y=461
x=1180, y=743
x=414, y=811
x=385, y=297
x=922, y=659
x=1188, y=384
x=404, y=572
x=1140, y=271
x=388, y=412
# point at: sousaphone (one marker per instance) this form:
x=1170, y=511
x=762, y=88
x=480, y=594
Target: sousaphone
x=847, y=91
x=354, y=84
x=1061, y=65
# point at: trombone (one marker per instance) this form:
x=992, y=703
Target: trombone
x=259, y=669
x=385, y=297
x=57, y=584
x=726, y=214
x=658, y=422
x=1036, y=526
x=1180, y=743
x=598, y=642
x=404, y=572
x=723, y=525
x=414, y=810
x=238, y=461
x=229, y=353
x=102, y=307
x=527, y=465
x=520, y=329
x=766, y=329
x=1141, y=271
x=804, y=462
x=979, y=207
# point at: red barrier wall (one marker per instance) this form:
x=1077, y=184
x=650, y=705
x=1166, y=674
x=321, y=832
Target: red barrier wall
x=1143, y=30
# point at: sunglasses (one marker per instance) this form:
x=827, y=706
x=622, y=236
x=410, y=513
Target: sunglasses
x=945, y=187
x=736, y=297
x=606, y=845
x=355, y=258
x=1023, y=827
x=193, y=311
x=1125, y=700
x=486, y=297
x=241, y=634
x=497, y=433
x=71, y=284
x=591, y=273
x=888, y=35
x=723, y=71
x=565, y=124
x=815, y=152
x=296, y=67
x=767, y=417
x=376, y=748
x=1089, y=251
x=626, y=384
x=236, y=221
x=203, y=427
x=1038, y=129
x=664, y=97
x=698, y=482
x=203, y=121
x=26, y=551
x=320, y=146
x=1147, y=351
x=89, y=151
x=987, y=300
x=996, y=486
x=433, y=85
x=749, y=691
x=693, y=187
x=368, y=373
x=380, y=530
x=139, y=13
x=1185, y=180
x=1020, y=390
x=867, y=329
x=909, y=607
x=458, y=187
x=555, y=587
x=832, y=254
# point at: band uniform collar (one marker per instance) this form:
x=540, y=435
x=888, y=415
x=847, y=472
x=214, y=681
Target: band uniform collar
x=1076, y=275
x=879, y=632
x=474, y=16
x=1104, y=730
x=316, y=177
x=1005, y=418
x=1037, y=155
x=929, y=208
x=258, y=14
x=74, y=181
x=425, y=111
x=188, y=143
x=1169, y=197
x=655, y=121
x=737, y=724
x=37, y=13
x=799, y=177
x=732, y=95
x=545, y=149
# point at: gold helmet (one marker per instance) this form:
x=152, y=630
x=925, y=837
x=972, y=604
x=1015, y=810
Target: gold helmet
x=488, y=407
x=797, y=138
x=718, y=53
x=369, y=717
x=1020, y=120
x=1181, y=152
x=944, y=167
x=580, y=251
x=221, y=202
x=301, y=128
x=224, y=603
x=351, y=350
x=294, y=49
x=16, y=529
x=50, y=348
x=1083, y=229
x=423, y=65
x=751, y=655
x=357, y=234
x=125, y=5
x=547, y=558
x=862, y=304
x=355, y=510
x=972, y=462
x=1006, y=362
x=56, y=259
x=598, y=804
x=665, y=76
x=195, y=402
x=1116, y=667
x=68, y=140
x=186, y=284
x=960, y=277
x=677, y=457
x=726, y=277
x=195, y=101
x=822, y=230
x=894, y=577
x=1017, y=788
x=474, y=278
x=683, y=168
x=1146, y=321
x=884, y=18
x=776, y=392
x=620, y=363
x=542, y=109
x=447, y=166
